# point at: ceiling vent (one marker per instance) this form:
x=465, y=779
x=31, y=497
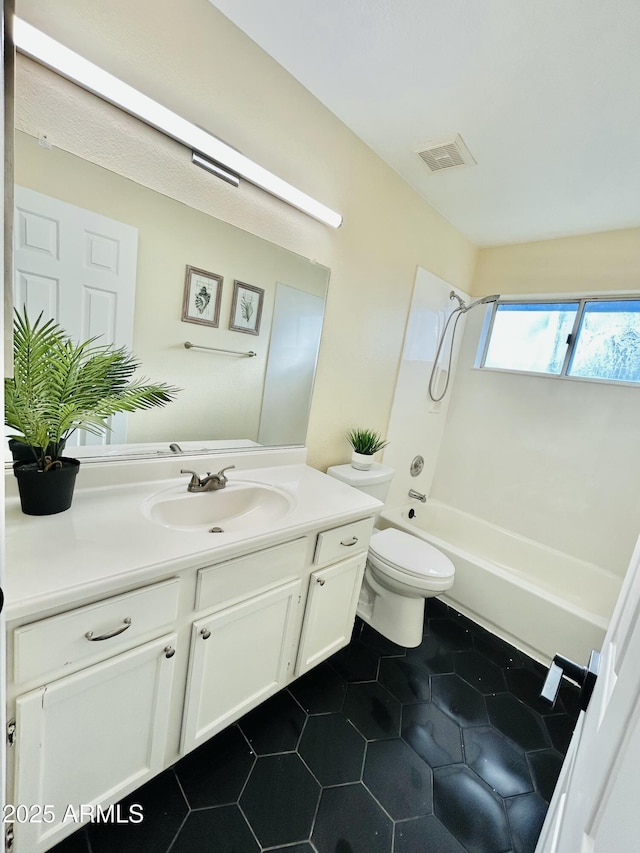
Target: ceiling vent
x=446, y=153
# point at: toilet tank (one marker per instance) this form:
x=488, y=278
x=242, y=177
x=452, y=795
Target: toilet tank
x=375, y=482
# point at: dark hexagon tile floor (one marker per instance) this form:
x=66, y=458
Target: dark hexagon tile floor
x=399, y=779
x=445, y=748
x=332, y=749
x=470, y=810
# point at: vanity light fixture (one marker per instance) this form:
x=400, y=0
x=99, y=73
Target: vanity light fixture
x=50, y=53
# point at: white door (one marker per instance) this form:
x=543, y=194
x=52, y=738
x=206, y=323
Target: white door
x=78, y=268
x=291, y=365
x=595, y=805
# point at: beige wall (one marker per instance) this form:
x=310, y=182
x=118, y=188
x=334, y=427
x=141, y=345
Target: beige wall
x=196, y=62
x=552, y=459
x=588, y=263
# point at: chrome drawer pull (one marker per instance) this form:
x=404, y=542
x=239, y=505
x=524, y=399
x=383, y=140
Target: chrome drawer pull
x=110, y=634
x=353, y=541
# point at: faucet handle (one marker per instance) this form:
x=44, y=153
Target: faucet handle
x=221, y=473
x=195, y=479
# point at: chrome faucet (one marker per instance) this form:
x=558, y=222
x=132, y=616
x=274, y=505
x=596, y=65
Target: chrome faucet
x=210, y=483
x=417, y=495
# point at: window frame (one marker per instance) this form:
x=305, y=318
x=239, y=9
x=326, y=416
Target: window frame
x=582, y=301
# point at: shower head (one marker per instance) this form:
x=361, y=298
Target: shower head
x=484, y=301
x=462, y=305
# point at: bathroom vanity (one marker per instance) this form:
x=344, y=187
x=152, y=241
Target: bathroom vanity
x=135, y=633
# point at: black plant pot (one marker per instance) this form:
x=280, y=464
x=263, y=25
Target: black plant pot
x=22, y=452
x=46, y=492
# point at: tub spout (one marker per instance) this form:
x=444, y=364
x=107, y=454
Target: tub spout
x=417, y=495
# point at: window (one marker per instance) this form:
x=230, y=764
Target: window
x=585, y=338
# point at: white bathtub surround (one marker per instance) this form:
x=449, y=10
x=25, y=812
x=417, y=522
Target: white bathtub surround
x=417, y=424
x=537, y=598
x=544, y=457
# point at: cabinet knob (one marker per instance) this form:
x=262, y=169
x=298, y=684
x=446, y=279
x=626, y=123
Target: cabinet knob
x=206, y=633
x=321, y=581
x=169, y=651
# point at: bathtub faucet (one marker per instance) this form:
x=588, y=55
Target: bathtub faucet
x=417, y=495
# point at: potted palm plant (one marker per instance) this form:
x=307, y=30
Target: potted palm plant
x=58, y=387
x=365, y=442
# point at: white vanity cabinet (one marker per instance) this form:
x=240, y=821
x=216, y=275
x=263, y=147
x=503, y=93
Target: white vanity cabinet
x=243, y=647
x=330, y=611
x=93, y=736
x=104, y=696
x=240, y=656
x=251, y=647
x=333, y=592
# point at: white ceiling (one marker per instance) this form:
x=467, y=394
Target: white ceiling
x=545, y=93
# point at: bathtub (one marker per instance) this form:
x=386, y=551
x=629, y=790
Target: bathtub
x=538, y=599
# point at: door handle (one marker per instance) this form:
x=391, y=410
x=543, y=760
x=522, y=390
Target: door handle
x=584, y=676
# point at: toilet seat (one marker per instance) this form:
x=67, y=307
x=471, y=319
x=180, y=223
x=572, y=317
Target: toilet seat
x=401, y=554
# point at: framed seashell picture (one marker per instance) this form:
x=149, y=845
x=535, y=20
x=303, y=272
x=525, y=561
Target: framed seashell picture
x=202, y=295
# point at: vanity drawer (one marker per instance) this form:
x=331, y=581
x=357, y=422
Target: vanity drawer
x=115, y=624
x=343, y=541
x=244, y=576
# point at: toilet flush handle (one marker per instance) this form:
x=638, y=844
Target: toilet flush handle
x=350, y=543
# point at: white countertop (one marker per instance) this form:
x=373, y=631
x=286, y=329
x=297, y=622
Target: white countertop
x=104, y=542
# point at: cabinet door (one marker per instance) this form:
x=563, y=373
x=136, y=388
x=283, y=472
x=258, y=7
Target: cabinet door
x=239, y=657
x=330, y=611
x=91, y=738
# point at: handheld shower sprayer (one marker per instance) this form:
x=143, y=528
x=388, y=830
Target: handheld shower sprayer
x=457, y=312
x=462, y=305
x=484, y=301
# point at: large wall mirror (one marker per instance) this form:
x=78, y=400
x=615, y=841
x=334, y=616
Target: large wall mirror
x=229, y=399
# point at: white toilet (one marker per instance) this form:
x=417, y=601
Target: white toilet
x=402, y=570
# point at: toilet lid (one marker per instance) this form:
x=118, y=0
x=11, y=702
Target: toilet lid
x=409, y=554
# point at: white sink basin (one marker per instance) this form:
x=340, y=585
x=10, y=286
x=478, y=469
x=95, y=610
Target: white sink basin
x=239, y=506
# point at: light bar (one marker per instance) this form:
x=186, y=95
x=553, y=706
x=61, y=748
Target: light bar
x=67, y=63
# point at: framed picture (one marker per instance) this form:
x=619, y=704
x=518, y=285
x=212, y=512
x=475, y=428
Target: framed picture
x=202, y=294
x=246, y=308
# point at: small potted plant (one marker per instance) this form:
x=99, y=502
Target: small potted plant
x=365, y=442
x=58, y=387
